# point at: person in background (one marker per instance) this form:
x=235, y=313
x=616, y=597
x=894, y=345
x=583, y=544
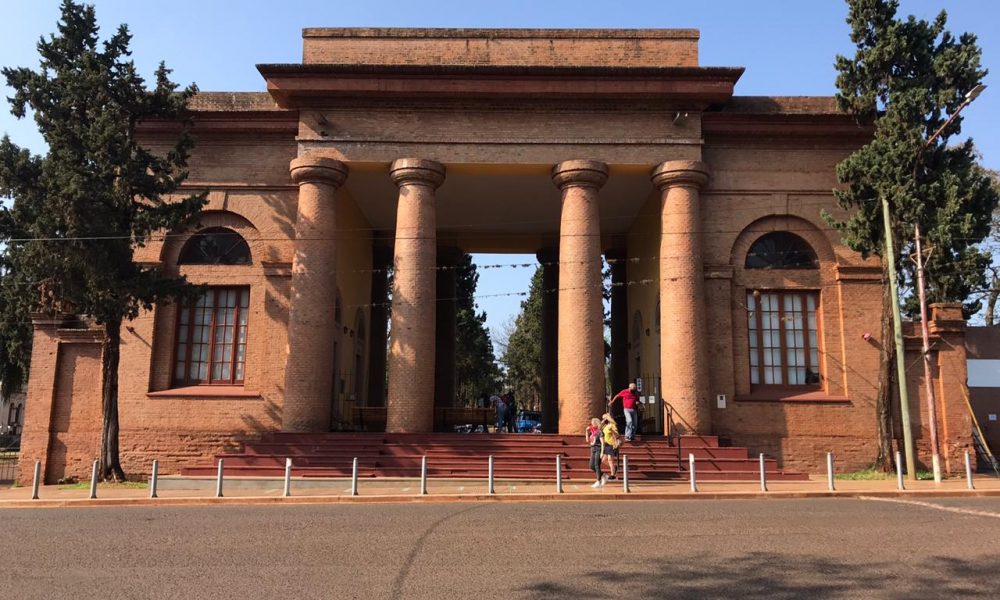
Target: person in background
x=610, y=441
x=630, y=405
x=511, y=413
x=501, y=412
x=593, y=437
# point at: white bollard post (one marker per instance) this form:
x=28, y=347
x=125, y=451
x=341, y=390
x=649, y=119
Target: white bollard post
x=93, y=481
x=625, y=473
x=968, y=471
x=899, y=471
x=936, y=465
x=489, y=484
x=288, y=478
x=694, y=484
x=36, y=480
x=153, y=477
x=763, y=476
x=559, y=488
x=354, y=477
x=423, y=476
x=829, y=471
x=218, y=481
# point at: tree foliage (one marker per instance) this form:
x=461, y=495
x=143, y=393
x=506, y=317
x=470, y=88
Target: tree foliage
x=475, y=363
x=81, y=210
x=522, y=357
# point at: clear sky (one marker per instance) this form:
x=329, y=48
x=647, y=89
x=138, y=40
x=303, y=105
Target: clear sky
x=787, y=47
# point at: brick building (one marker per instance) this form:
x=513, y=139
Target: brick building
x=735, y=303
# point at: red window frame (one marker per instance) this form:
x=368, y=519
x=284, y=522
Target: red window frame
x=184, y=342
x=810, y=348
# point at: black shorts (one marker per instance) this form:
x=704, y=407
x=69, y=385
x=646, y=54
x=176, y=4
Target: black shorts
x=610, y=450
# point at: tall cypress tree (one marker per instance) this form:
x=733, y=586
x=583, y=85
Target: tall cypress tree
x=475, y=363
x=81, y=210
x=905, y=79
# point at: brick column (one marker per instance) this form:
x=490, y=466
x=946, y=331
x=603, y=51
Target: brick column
x=550, y=339
x=683, y=344
x=581, y=318
x=378, y=337
x=619, y=320
x=411, y=343
x=311, y=327
x=444, y=349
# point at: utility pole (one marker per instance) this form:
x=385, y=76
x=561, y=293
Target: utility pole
x=922, y=298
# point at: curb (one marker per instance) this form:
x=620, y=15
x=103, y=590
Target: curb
x=452, y=498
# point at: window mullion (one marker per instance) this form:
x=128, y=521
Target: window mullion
x=211, y=336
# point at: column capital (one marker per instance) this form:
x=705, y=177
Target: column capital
x=417, y=171
x=671, y=173
x=318, y=169
x=580, y=173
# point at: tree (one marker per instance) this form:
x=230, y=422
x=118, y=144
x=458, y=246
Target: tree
x=992, y=292
x=81, y=210
x=475, y=363
x=905, y=79
x=522, y=356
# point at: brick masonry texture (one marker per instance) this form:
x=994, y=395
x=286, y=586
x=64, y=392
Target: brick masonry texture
x=772, y=162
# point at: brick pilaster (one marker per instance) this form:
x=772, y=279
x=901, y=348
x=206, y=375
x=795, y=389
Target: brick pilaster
x=411, y=343
x=682, y=297
x=581, y=318
x=378, y=340
x=309, y=367
x=446, y=326
x=619, y=319
x=550, y=339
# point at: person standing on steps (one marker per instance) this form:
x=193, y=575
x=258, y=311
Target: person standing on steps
x=610, y=442
x=593, y=437
x=630, y=404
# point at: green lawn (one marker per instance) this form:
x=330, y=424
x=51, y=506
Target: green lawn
x=872, y=474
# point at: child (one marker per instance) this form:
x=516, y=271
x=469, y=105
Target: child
x=593, y=436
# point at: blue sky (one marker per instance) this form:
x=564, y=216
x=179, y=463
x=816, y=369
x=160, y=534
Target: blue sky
x=787, y=48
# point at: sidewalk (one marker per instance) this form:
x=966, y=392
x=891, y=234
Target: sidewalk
x=452, y=490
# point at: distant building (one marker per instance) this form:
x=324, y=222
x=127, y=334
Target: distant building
x=11, y=417
x=983, y=345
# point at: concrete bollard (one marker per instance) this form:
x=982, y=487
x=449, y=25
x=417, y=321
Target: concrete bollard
x=423, y=476
x=218, y=481
x=93, y=481
x=899, y=471
x=489, y=483
x=287, y=491
x=936, y=465
x=37, y=480
x=763, y=475
x=153, y=477
x=559, y=487
x=829, y=471
x=694, y=484
x=354, y=477
x=968, y=471
x=625, y=473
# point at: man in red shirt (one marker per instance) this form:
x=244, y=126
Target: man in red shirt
x=630, y=402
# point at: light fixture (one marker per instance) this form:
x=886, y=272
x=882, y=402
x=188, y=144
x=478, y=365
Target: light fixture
x=974, y=92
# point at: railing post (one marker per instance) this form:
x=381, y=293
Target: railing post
x=829, y=471
x=354, y=477
x=288, y=478
x=490, y=491
x=218, y=480
x=35, y=482
x=899, y=471
x=423, y=475
x=625, y=473
x=93, y=481
x=559, y=486
x=153, y=478
x=968, y=471
x=763, y=475
x=694, y=483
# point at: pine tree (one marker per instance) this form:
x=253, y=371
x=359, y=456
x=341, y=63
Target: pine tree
x=522, y=356
x=906, y=78
x=475, y=363
x=97, y=195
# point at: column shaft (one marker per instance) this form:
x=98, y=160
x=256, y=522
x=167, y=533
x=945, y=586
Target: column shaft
x=411, y=345
x=581, y=318
x=682, y=297
x=444, y=350
x=311, y=327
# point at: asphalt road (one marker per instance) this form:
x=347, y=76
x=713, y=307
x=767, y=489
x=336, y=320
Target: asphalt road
x=817, y=548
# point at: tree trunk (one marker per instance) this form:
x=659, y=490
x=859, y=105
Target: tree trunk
x=109, y=467
x=991, y=301
x=883, y=400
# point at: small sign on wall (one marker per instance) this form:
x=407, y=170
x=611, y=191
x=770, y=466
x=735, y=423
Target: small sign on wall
x=993, y=417
x=720, y=401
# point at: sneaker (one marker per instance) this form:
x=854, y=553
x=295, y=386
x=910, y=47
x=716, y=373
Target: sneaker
x=597, y=484
x=604, y=479
x=612, y=478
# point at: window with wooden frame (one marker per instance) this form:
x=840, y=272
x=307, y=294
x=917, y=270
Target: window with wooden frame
x=784, y=337
x=212, y=338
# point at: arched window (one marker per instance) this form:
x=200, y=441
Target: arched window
x=781, y=250
x=215, y=246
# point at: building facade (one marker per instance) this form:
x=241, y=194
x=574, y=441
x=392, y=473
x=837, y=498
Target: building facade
x=732, y=300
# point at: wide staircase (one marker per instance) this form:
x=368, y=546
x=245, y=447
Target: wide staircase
x=455, y=455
